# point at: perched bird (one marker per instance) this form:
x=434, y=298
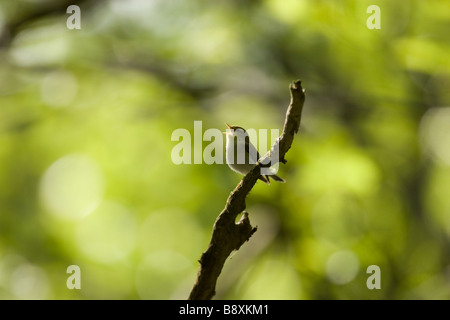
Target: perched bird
x=241, y=154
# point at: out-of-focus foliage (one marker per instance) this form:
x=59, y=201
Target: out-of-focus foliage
x=86, y=176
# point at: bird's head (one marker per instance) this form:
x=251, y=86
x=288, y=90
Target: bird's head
x=236, y=132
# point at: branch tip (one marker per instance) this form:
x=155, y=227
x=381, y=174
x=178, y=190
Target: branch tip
x=295, y=85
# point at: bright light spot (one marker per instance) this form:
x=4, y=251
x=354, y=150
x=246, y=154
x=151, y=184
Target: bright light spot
x=59, y=88
x=29, y=282
x=40, y=46
x=435, y=134
x=134, y=9
x=334, y=168
x=422, y=53
x=209, y=43
x=290, y=11
x=108, y=234
x=72, y=187
x=342, y=267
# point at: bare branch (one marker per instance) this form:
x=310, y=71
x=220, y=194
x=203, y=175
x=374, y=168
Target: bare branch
x=227, y=234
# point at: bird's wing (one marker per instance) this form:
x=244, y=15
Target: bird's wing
x=251, y=150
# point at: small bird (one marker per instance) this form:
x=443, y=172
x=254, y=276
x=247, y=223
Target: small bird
x=241, y=154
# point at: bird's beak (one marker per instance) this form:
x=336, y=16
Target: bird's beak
x=229, y=127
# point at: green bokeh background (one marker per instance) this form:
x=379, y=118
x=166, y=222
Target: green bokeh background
x=86, y=176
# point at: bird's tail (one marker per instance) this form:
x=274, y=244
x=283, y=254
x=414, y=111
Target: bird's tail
x=273, y=176
x=265, y=179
